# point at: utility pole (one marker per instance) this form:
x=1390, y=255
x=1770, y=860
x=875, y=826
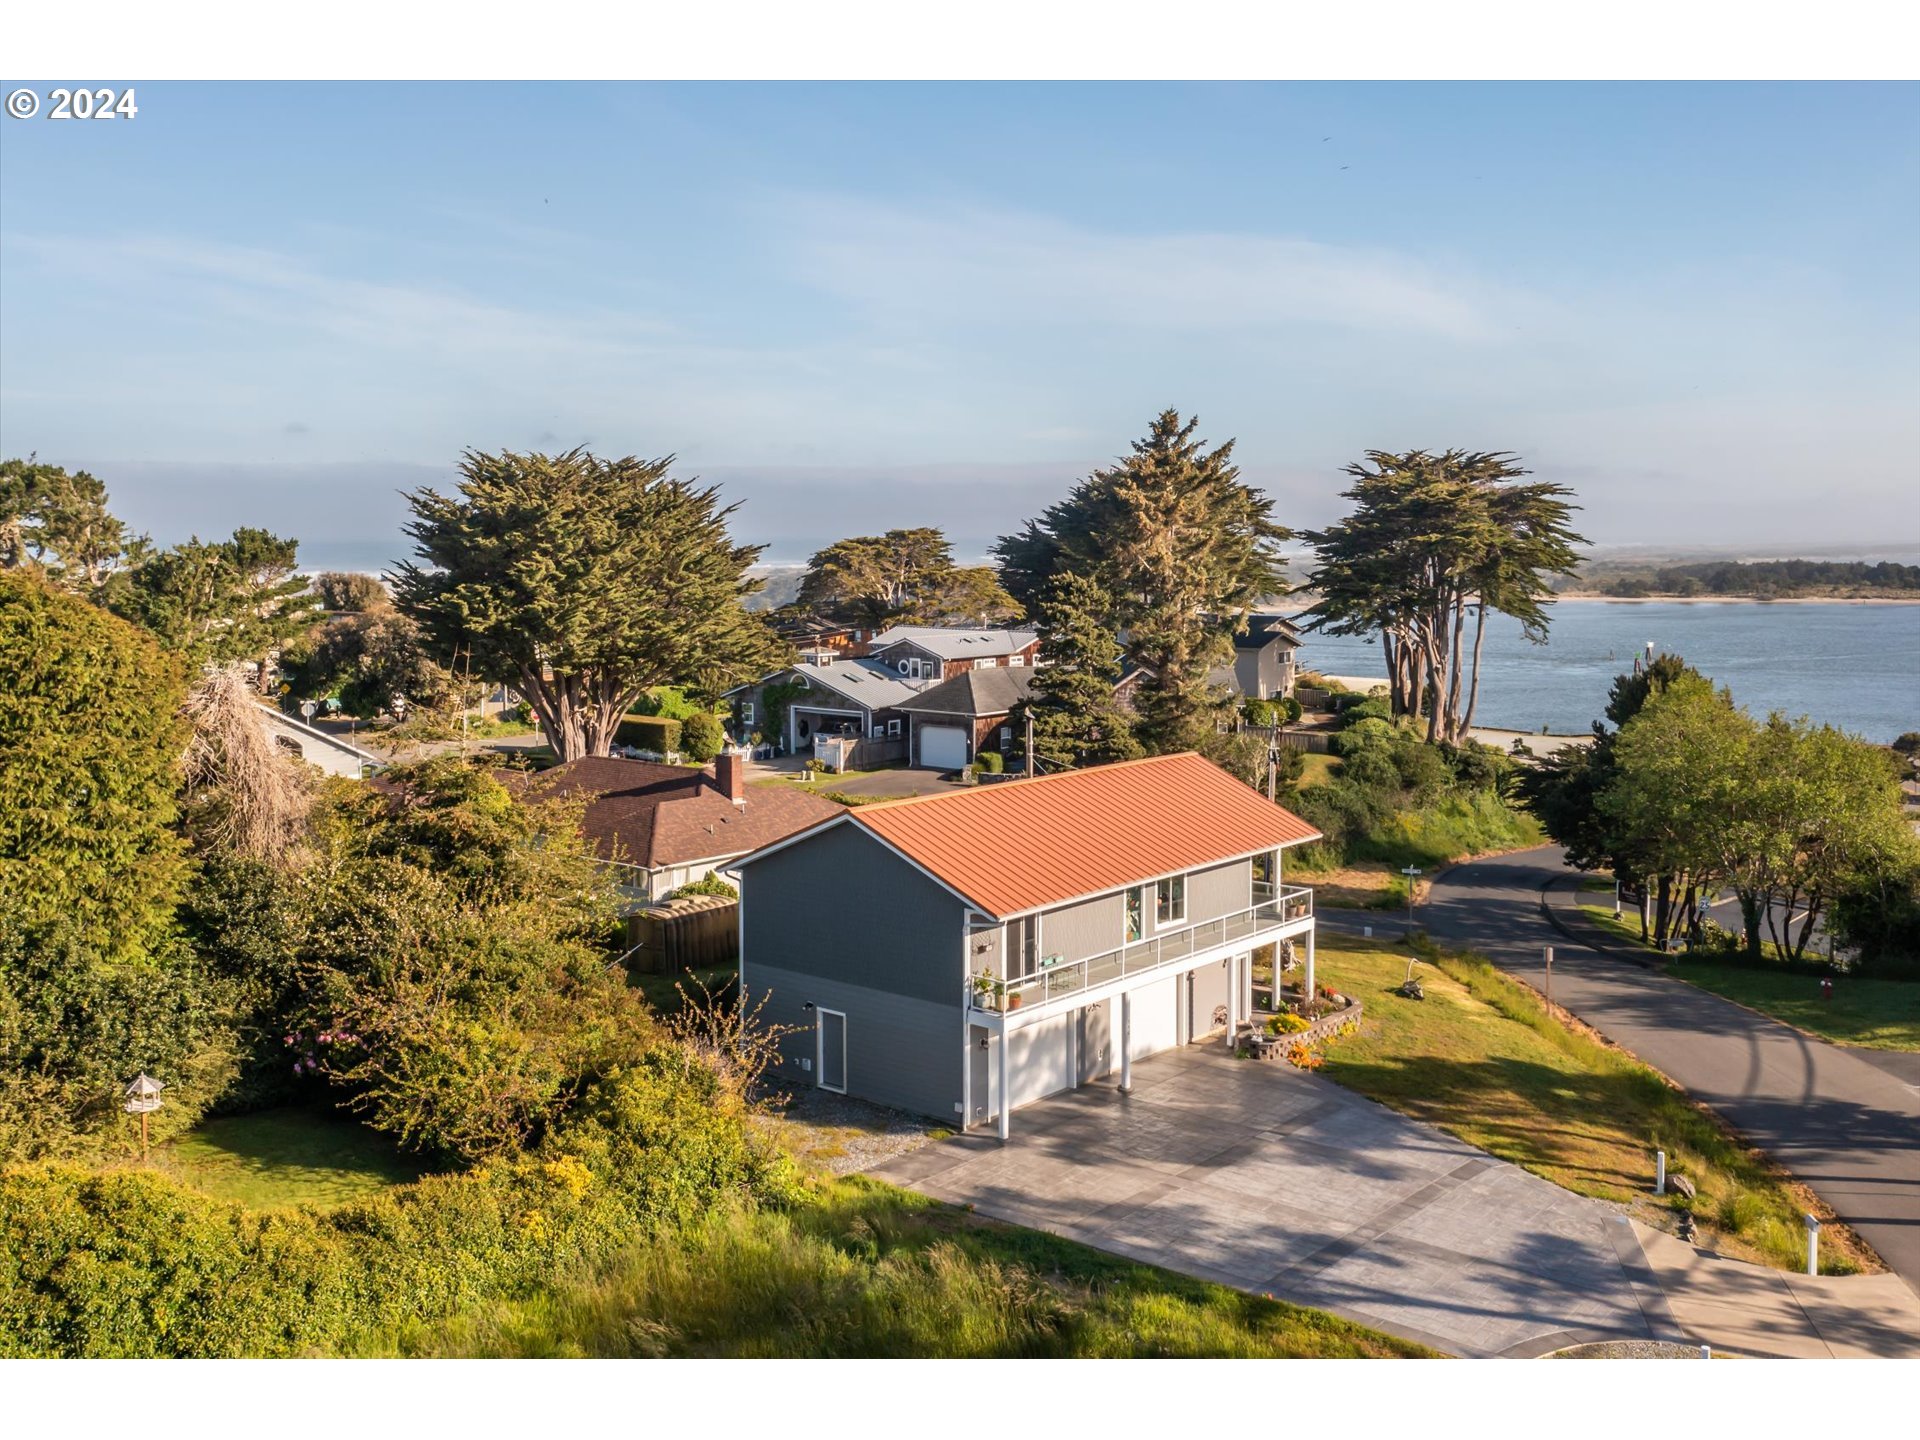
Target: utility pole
x=1029, y=743
x=1273, y=759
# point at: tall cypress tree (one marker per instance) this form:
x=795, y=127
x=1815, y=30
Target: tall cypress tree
x=1076, y=718
x=1182, y=549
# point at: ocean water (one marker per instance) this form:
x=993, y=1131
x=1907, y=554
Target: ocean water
x=1855, y=666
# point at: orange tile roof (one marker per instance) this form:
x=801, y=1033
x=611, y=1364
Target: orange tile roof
x=1017, y=846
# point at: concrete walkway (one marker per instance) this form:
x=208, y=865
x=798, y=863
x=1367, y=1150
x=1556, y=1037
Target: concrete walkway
x=1751, y=1310
x=1268, y=1179
x=1847, y=1127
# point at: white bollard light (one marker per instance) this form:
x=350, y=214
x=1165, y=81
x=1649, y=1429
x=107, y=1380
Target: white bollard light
x=1706, y=1352
x=1813, y=1246
x=1659, y=1172
x=1366, y=931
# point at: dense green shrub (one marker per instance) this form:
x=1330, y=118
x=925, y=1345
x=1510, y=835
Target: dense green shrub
x=75, y=1029
x=1289, y=709
x=128, y=1263
x=1371, y=733
x=702, y=737
x=649, y=732
x=1352, y=715
x=988, y=762
x=667, y=702
x=90, y=745
x=1259, y=714
x=707, y=885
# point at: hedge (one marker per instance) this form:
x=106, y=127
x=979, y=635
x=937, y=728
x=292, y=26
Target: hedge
x=125, y=1262
x=649, y=732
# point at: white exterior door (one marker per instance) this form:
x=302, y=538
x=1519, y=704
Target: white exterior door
x=830, y=1063
x=943, y=747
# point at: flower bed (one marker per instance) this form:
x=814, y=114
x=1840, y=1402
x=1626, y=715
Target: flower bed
x=1317, y=1032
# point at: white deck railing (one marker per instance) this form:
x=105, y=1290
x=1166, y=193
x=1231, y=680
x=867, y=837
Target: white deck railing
x=1052, y=982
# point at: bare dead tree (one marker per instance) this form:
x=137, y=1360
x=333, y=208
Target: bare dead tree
x=733, y=1036
x=244, y=793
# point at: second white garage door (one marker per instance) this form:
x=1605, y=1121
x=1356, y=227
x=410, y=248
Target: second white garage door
x=943, y=747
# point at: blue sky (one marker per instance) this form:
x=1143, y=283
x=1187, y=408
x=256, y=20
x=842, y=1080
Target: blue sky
x=856, y=306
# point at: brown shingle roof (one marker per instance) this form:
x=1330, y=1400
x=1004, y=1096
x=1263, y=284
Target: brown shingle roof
x=652, y=815
x=1023, y=845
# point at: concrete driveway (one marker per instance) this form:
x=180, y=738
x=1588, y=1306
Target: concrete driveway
x=1269, y=1179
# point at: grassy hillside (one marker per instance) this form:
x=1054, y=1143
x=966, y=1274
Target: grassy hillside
x=871, y=1270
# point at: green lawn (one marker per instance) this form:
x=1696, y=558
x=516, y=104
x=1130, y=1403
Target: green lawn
x=871, y=1270
x=1481, y=1058
x=1879, y=1014
x=1318, y=770
x=274, y=1159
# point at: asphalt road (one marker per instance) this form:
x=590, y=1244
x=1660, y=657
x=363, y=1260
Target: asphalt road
x=1849, y=1128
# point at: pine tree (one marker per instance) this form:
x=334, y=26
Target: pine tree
x=1182, y=548
x=1076, y=718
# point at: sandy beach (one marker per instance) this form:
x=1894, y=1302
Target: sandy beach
x=1500, y=739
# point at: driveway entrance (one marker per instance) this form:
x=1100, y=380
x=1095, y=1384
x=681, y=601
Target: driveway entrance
x=1268, y=1179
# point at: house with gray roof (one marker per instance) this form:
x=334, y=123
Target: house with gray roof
x=824, y=695
x=939, y=652
x=952, y=722
x=331, y=754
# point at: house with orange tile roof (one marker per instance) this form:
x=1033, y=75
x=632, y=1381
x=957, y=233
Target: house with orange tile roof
x=963, y=954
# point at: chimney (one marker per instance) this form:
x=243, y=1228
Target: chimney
x=730, y=773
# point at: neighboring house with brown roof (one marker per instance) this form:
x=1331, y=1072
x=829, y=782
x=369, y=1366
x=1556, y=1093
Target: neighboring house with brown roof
x=955, y=720
x=963, y=954
x=664, y=826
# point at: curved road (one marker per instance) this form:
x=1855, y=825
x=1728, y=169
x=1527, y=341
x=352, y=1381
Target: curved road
x=1848, y=1128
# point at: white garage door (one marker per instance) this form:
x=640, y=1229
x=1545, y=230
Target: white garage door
x=943, y=747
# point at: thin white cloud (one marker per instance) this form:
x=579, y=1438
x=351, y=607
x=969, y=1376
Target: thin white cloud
x=908, y=266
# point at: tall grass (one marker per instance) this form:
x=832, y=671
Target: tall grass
x=869, y=1270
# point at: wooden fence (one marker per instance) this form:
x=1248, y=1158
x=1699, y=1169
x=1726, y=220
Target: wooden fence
x=1314, y=742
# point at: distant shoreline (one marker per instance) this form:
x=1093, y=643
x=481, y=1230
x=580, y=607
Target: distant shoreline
x=1742, y=599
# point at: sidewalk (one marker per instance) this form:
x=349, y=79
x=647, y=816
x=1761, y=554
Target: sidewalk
x=1749, y=1309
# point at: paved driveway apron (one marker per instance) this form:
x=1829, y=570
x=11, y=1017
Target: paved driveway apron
x=1848, y=1127
x=1268, y=1179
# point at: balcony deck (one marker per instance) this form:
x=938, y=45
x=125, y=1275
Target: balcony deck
x=1289, y=912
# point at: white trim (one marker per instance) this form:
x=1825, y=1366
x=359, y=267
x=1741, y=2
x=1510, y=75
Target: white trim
x=1171, y=919
x=820, y=1050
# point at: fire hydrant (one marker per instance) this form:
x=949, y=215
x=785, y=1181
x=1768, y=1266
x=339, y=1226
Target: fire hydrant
x=1826, y=989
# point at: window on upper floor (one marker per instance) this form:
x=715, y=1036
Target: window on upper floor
x=1016, y=661
x=1170, y=901
x=986, y=664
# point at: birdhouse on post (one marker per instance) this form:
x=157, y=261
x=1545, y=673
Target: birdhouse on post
x=143, y=1098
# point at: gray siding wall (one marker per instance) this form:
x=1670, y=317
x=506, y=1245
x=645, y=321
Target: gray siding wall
x=1219, y=891
x=1094, y=927
x=901, y=1052
x=840, y=921
x=841, y=906
x=1086, y=928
